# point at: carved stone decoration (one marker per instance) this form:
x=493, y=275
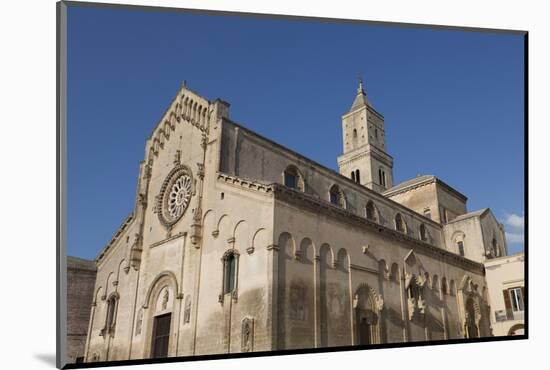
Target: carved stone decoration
x=379, y=303
x=139, y=321
x=175, y=195
x=247, y=335
x=411, y=305
x=135, y=252
x=187, y=310
x=165, y=298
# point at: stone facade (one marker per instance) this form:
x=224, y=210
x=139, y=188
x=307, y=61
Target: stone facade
x=81, y=278
x=238, y=244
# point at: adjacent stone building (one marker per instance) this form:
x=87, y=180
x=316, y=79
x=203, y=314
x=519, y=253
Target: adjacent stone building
x=506, y=284
x=81, y=279
x=238, y=244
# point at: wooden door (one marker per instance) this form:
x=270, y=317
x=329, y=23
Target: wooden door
x=161, y=336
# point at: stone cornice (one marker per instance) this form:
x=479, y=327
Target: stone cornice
x=282, y=193
x=160, y=242
x=431, y=180
x=127, y=221
x=360, y=152
x=244, y=183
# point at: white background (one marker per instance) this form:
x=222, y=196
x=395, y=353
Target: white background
x=27, y=182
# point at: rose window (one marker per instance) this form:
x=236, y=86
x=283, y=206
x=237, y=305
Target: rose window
x=179, y=196
x=175, y=195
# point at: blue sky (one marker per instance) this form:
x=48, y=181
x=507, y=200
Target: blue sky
x=452, y=101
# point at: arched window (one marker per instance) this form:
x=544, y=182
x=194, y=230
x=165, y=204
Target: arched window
x=229, y=273
x=399, y=223
x=110, y=318
x=371, y=211
x=353, y=175
x=230, y=282
x=337, y=196
x=444, y=285
x=423, y=233
x=460, y=247
x=357, y=177
x=293, y=178
x=382, y=177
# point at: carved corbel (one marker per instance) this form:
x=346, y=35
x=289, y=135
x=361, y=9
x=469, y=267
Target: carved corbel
x=273, y=247
x=379, y=303
x=195, y=234
x=135, y=252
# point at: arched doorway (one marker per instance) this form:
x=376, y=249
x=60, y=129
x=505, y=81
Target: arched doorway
x=366, y=316
x=159, y=318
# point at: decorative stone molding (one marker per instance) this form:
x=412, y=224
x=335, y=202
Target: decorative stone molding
x=231, y=240
x=379, y=303
x=135, y=252
x=250, y=250
x=115, y=282
x=163, y=241
x=196, y=228
x=273, y=247
x=129, y=219
x=365, y=249
x=247, y=184
x=215, y=233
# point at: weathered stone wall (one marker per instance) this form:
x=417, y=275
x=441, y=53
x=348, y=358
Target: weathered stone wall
x=81, y=275
x=342, y=266
x=420, y=198
x=454, y=205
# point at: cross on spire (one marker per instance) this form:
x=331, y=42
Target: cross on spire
x=360, y=89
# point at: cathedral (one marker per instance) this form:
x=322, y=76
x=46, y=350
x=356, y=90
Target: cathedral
x=238, y=244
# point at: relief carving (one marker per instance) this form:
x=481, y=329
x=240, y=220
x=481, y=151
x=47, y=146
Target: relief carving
x=187, y=310
x=247, y=335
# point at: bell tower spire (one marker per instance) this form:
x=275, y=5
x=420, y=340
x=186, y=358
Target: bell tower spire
x=365, y=159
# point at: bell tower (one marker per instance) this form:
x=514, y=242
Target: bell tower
x=365, y=159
